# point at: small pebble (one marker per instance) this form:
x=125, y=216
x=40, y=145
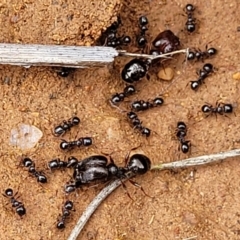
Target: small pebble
x=236, y=76
x=166, y=74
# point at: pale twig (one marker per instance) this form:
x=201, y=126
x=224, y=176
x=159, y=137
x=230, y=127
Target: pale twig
x=190, y=162
x=152, y=57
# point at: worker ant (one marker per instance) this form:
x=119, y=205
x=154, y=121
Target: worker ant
x=191, y=21
x=82, y=141
x=28, y=163
x=165, y=42
x=136, y=69
x=141, y=39
x=203, y=73
x=66, y=211
x=66, y=126
x=19, y=207
x=119, y=97
x=64, y=71
x=181, y=132
x=201, y=55
x=221, y=108
x=59, y=164
x=142, y=105
x=137, y=124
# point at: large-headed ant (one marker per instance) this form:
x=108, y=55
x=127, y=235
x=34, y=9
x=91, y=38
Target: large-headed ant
x=201, y=55
x=97, y=169
x=191, y=21
x=141, y=39
x=136, y=69
x=119, y=97
x=66, y=126
x=137, y=124
x=28, y=163
x=181, y=132
x=221, y=108
x=82, y=141
x=66, y=210
x=19, y=207
x=203, y=73
x=142, y=105
x=165, y=42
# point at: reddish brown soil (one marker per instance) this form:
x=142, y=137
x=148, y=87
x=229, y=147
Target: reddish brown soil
x=201, y=202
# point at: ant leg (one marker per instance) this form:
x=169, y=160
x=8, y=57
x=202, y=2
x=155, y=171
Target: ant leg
x=128, y=154
x=139, y=186
x=125, y=190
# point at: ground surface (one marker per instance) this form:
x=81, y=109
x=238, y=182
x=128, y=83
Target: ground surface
x=205, y=204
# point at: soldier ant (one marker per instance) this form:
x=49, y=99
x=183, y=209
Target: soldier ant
x=191, y=21
x=83, y=141
x=142, y=105
x=66, y=210
x=181, y=132
x=28, y=163
x=203, y=73
x=66, y=126
x=201, y=55
x=97, y=169
x=137, y=124
x=136, y=69
x=119, y=97
x=165, y=42
x=221, y=108
x=19, y=207
x=141, y=39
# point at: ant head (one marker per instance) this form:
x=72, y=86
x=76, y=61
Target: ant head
x=9, y=192
x=139, y=164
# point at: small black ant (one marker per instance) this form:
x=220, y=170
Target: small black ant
x=203, y=73
x=137, y=124
x=66, y=210
x=64, y=71
x=57, y=164
x=28, y=163
x=142, y=105
x=66, y=126
x=83, y=141
x=119, y=97
x=221, y=108
x=181, y=132
x=201, y=55
x=136, y=69
x=19, y=207
x=141, y=39
x=191, y=22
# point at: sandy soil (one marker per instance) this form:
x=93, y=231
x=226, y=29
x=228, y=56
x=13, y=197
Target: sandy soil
x=201, y=202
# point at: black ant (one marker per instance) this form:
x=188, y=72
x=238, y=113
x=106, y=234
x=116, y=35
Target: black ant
x=119, y=97
x=97, y=169
x=64, y=71
x=181, y=132
x=58, y=164
x=28, y=163
x=136, y=69
x=66, y=126
x=203, y=73
x=19, y=207
x=141, y=39
x=66, y=210
x=165, y=42
x=83, y=141
x=221, y=108
x=191, y=22
x=137, y=124
x=142, y=105
x=201, y=55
